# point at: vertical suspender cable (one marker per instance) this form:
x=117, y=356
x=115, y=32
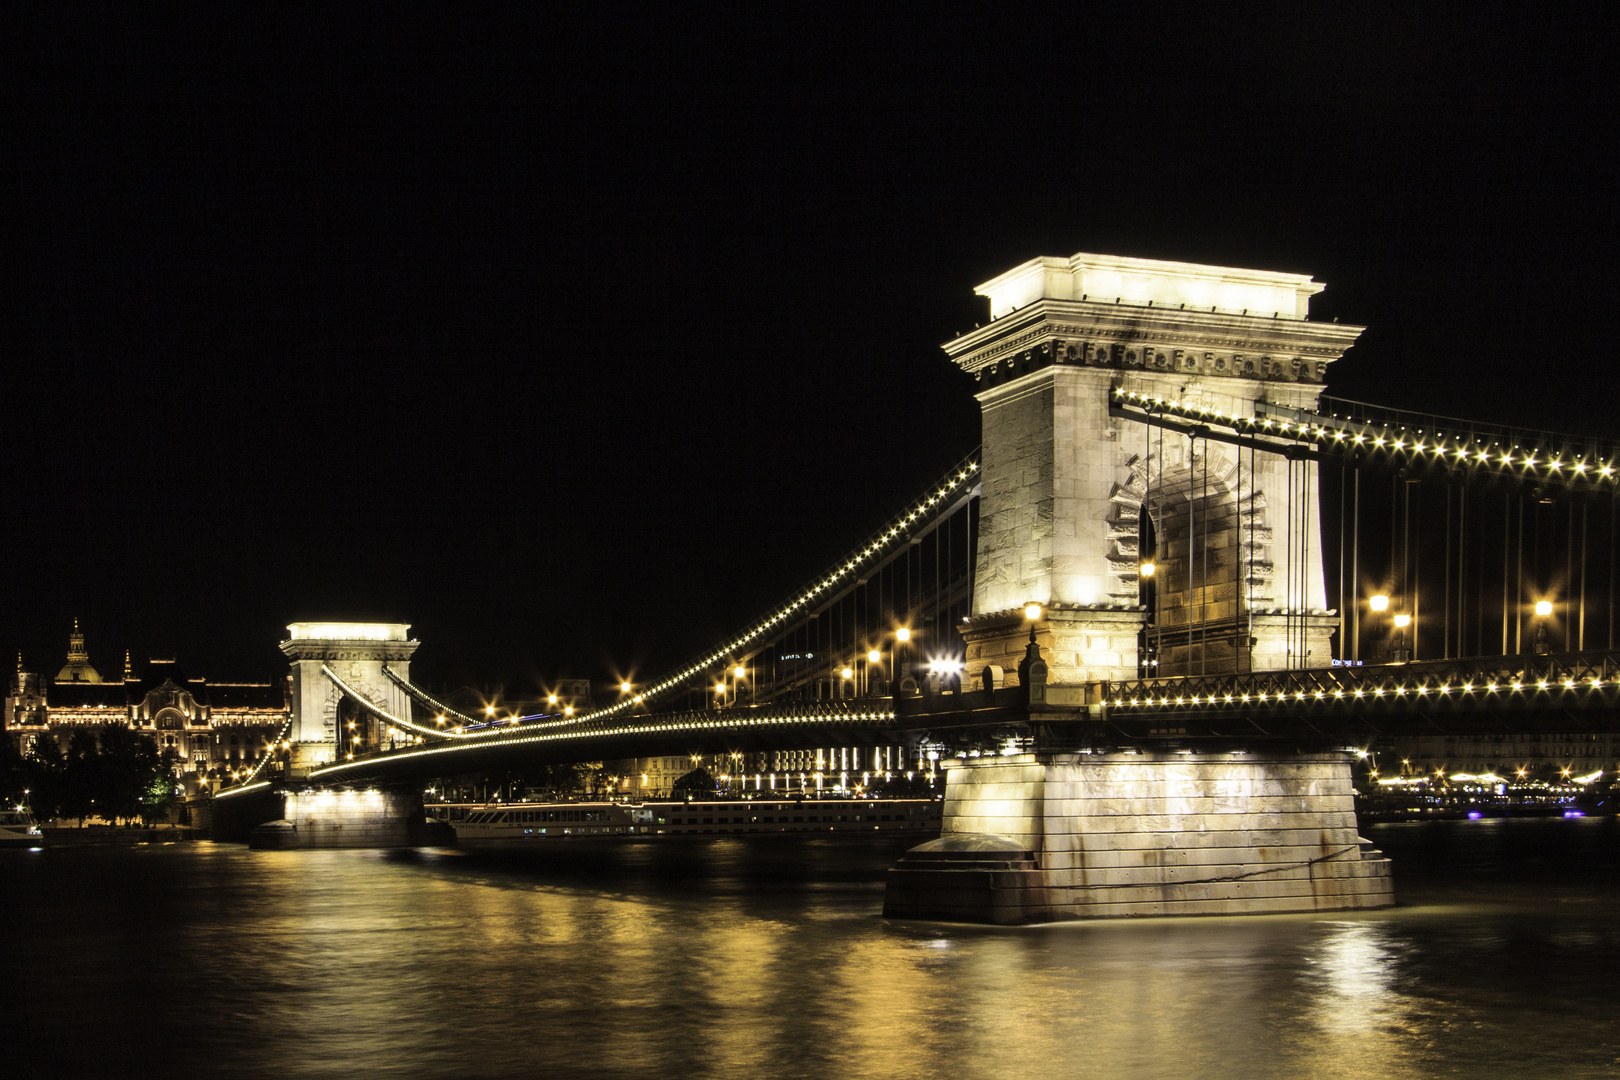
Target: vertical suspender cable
x=1614, y=542
x=1296, y=535
x=1303, y=554
x=1507, y=551
x=1445, y=575
x=1569, y=575
x=1203, y=599
x=1355, y=563
x=1291, y=594
x=1248, y=639
x=1239, y=555
x=1518, y=590
x=1392, y=575
x=1462, y=567
x=1406, y=551
x=1158, y=623
x=1417, y=572
x=1192, y=525
x=1580, y=632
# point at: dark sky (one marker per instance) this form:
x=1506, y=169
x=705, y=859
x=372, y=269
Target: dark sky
x=575, y=335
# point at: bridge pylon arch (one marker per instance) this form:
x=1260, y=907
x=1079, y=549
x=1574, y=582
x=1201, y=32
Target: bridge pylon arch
x=357, y=652
x=1060, y=470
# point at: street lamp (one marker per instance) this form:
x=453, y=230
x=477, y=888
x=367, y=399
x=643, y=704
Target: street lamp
x=1402, y=621
x=1379, y=602
x=902, y=658
x=1543, y=610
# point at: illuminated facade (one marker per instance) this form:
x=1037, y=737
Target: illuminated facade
x=213, y=728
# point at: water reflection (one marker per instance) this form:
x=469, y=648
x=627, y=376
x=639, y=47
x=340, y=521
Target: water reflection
x=748, y=958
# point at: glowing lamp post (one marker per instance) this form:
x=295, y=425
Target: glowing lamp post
x=1402, y=621
x=1543, y=610
x=902, y=637
x=1379, y=604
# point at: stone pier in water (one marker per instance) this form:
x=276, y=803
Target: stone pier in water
x=1039, y=838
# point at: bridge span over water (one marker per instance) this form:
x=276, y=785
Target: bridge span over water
x=1142, y=628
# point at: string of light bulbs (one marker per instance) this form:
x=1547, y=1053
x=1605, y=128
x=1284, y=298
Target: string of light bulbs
x=425, y=698
x=1335, y=435
x=896, y=531
x=870, y=717
x=383, y=714
x=286, y=729
x=1364, y=695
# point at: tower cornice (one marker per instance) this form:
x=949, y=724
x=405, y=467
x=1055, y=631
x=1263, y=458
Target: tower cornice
x=1149, y=338
x=354, y=649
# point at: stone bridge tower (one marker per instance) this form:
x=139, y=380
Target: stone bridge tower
x=1067, y=488
x=1069, y=494
x=356, y=653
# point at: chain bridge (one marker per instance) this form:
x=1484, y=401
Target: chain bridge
x=1144, y=629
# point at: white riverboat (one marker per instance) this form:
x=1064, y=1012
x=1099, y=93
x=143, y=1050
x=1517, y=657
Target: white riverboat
x=17, y=829
x=536, y=824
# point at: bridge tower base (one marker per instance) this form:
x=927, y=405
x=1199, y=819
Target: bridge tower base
x=323, y=818
x=1053, y=837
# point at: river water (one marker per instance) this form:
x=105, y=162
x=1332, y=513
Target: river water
x=769, y=958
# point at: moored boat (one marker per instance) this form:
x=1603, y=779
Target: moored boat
x=17, y=829
x=535, y=823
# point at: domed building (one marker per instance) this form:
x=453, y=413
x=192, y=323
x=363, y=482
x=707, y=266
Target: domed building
x=213, y=728
x=78, y=668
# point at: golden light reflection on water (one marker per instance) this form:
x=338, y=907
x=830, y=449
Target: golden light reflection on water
x=749, y=960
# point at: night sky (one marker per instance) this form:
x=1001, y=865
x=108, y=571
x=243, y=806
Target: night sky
x=577, y=336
